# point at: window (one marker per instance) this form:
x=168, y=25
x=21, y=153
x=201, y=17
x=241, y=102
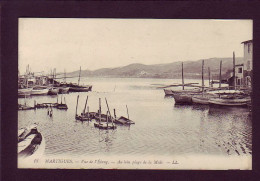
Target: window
x=248, y=65
x=240, y=70
x=238, y=82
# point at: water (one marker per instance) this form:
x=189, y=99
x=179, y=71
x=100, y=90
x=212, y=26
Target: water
x=161, y=128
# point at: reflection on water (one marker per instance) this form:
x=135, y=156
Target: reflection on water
x=161, y=128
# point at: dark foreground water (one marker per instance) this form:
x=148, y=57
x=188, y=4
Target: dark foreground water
x=161, y=127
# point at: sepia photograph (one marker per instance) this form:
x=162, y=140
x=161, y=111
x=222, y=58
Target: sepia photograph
x=112, y=93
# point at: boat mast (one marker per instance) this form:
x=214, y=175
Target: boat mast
x=64, y=75
x=182, y=76
x=234, y=70
x=99, y=110
x=127, y=112
x=79, y=75
x=85, y=106
x=220, y=73
x=202, y=76
x=109, y=111
x=209, y=76
x=77, y=105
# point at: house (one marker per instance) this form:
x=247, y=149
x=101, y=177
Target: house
x=243, y=72
x=248, y=62
x=239, y=68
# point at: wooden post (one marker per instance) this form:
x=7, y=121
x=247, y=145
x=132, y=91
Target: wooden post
x=182, y=76
x=79, y=75
x=202, y=76
x=77, y=105
x=88, y=113
x=209, y=76
x=64, y=100
x=99, y=110
x=107, y=119
x=220, y=73
x=115, y=113
x=85, y=105
x=127, y=112
x=109, y=111
x=234, y=70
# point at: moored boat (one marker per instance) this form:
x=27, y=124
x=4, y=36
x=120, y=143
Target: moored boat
x=30, y=142
x=183, y=98
x=63, y=90
x=104, y=126
x=80, y=88
x=53, y=91
x=123, y=120
x=24, y=92
x=203, y=98
x=40, y=90
x=24, y=107
x=229, y=101
x=170, y=92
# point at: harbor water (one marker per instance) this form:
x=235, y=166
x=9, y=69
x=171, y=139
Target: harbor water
x=161, y=127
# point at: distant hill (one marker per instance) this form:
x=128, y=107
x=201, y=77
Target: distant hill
x=192, y=69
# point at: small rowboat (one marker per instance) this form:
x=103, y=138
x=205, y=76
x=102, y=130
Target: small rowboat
x=30, y=142
x=230, y=101
x=62, y=106
x=123, y=120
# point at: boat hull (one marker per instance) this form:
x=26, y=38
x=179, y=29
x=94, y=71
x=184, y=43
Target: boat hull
x=53, y=91
x=63, y=90
x=168, y=92
x=104, y=126
x=30, y=144
x=80, y=89
x=200, y=100
x=229, y=102
x=43, y=91
x=24, y=92
x=182, y=98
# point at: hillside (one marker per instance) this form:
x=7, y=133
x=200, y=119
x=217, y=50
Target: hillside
x=192, y=69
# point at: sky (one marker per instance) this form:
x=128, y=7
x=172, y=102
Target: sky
x=67, y=43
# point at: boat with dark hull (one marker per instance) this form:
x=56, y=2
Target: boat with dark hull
x=63, y=90
x=124, y=121
x=53, y=91
x=77, y=88
x=30, y=142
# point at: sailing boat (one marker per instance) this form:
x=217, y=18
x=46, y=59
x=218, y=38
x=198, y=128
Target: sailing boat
x=184, y=96
x=79, y=88
x=108, y=116
x=23, y=90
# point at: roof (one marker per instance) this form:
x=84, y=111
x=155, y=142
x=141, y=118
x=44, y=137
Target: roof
x=248, y=41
